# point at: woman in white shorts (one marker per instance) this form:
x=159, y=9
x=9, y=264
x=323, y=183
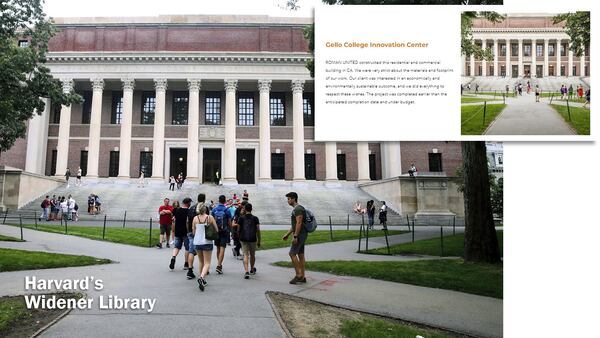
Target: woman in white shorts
x=202, y=245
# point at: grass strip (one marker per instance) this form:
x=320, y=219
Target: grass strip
x=17, y=260
x=472, y=118
x=580, y=118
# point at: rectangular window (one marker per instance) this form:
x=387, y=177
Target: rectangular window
x=277, y=109
x=574, y=70
x=341, y=167
x=245, y=109
x=146, y=163
x=527, y=50
x=372, y=167
x=117, y=107
x=53, y=162
x=23, y=43
x=503, y=50
x=148, y=107
x=213, y=108
x=435, y=162
x=83, y=160
x=278, y=166
x=113, y=164
x=539, y=50
x=514, y=49
x=308, y=108
x=180, y=108
x=563, y=49
x=551, y=49
x=310, y=167
x=86, y=110
x=56, y=113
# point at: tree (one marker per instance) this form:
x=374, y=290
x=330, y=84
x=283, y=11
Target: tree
x=467, y=45
x=309, y=34
x=24, y=80
x=577, y=26
x=414, y=2
x=481, y=242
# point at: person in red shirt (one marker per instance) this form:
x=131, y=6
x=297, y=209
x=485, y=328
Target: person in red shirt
x=166, y=220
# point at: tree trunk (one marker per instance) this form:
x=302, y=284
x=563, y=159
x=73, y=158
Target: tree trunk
x=481, y=242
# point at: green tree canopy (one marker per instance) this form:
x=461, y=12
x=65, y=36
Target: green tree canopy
x=414, y=2
x=467, y=45
x=24, y=80
x=577, y=26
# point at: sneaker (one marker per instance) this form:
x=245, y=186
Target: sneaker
x=200, y=284
x=247, y=275
x=303, y=280
x=172, y=264
x=253, y=271
x=295, y=280
x=190, y=274
x=219, y=270
x=204, y=282
x=168, y=246
x=159, y=245
x=185, y=266
x=234, y=253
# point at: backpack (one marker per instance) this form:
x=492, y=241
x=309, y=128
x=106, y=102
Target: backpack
x=219, y=213
x=247, y=228
x=310, y=222
x=209, y=231
x=43, y=205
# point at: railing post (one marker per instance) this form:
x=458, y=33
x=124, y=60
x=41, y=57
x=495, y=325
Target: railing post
x=359, y=236
x=21, y=225
x=569, y=110
x=454, y=226
x=387, y=243
x=367, y=241
x=407, y=222
x=413, y=230
x=442, y=240
x=150, y=234
x=66, y=223
x=5, y=214
x=104, y=227
x=35, y=219
x=484, y=110
x=124, y=218
x=348, y=223
x=330, y=229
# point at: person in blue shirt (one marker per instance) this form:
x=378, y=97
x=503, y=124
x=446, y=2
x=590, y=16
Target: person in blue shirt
x=223, y=219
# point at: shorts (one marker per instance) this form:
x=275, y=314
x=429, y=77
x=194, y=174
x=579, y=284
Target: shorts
x=165, y=228
x=223, y=240
x=204, y=247
x=192, y=248
x=249, y=248
x=298, y=248
x=178, y=241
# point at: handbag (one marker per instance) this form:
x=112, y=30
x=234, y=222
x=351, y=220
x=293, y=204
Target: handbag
x=209, y=232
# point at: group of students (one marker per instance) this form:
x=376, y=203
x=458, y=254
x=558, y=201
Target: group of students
x=202, y=227
x=57, y=208
x=176, y=181
x=94, y=204
x=370, y=212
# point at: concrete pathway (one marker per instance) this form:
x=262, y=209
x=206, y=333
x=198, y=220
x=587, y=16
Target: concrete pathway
x=524, y=116
x=232, y=306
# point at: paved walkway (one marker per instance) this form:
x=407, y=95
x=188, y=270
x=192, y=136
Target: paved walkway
x=232, y=306
x=524, y=116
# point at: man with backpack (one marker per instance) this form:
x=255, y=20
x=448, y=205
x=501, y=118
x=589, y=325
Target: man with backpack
x=180, y=237
x=249, y=233
x=45, y=209
x=300, y=235
x=223, y=219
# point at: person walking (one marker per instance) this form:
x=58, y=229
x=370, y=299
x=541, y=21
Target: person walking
x=202, y=245
x=570, y=91
x=72, y=212
x=239, y=212
x=97, y=203
x=249, y=231
x=537, y=93
x=171, y=183
x=180, y=232
x=45, y=209
x=53, y=208
x=193, y=212
x=412, y=170
x=371, y=213
x=67, y=176
x=580, y=91
x=383, y=214
x=64, y=208
x=166, y=218
x=300, y=235
x=223, y=219
x=587, y=98
x=78, y=181
x=141, y=181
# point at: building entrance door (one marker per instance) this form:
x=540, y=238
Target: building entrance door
x=539, y=71
x=341, y=167
x=245, y=166
x=211, y=164
x=178, y=162
x=527, y=70
x=515, y=71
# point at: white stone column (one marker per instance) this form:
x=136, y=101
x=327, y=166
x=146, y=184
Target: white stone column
x=570, y=64
x=558, y=61
x=472, y=65
x=484, y=61
x=521, y=72
x=533, y=58
x=546, y=62
x=298, y=130
x=264, y=171
x=37, y=141
x=158, y=140
x=331, y=161
x=391, y=160
x=193, y=118
x=507, y=61
x=496, y=70
x=230, y=156
x=582, y=63
x=362, y=156
x=125, y=141
x=95, y=126
x=64, y=130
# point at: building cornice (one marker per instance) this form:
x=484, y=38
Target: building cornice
x=178, y=57
x=518, y=30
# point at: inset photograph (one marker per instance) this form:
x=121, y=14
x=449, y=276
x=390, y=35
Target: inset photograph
x=525, y=74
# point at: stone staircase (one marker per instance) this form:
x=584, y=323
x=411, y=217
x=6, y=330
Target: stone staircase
x=550, y=83
x=269, y=202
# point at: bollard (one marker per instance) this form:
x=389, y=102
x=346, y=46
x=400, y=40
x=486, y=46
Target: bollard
x=503, y=98
x=330, y=229
x=413, y=230
x=150, y=235
x=484, y=110
x=407, y=222
x=124, y=218
x=21, y=225
x=35, y=219
x=5, y=214
x=104, y=227
x=454, y=226
x=569, y=110
x=359, y=236
x=442, y=240
x=387, y=243
x=66, y=222
x=367, y=240
x=61, y=219
x=348, y=223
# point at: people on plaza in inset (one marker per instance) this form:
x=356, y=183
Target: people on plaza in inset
x=217, y=178
x=300, y=233
x=249, y=232
x=358, y=209
x=172, y=183
x=180, y=232
x=412, y=170
x=563, y=92
x=97, y=203
x=570, y=91
x=383, y=214
x=179, y=180
x=245, y=196
x=67, y=176
x=54, y=206
x=477, y=88
x=587, y=98
x=223, y=219
x=64, y=208
x=193, y=212
x=239, y=211
x=520, y=89
x=165, y=220
x=469, y=87
x=371, y=213
x=202, y=245
x=537, y=93
x=580, y=91
x=507, y=90
x=528, y=87
x=141, y=181
x=78, y=181
x=45, y=209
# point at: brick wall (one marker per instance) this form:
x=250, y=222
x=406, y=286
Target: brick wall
x=418, y=152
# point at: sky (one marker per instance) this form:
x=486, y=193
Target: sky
x=87, y=8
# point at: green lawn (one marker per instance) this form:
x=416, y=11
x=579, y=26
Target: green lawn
x=497, y=93
x=17, y=260
x=11, y=311
x=472, y=122
x=373, y=327
x=453, y=247
x=139, y=237
x=557, y=96
x=580, y=118
x=477, y=99
x=450, y=274
x=10, y=239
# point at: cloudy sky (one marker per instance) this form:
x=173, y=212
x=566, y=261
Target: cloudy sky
x=70, y=8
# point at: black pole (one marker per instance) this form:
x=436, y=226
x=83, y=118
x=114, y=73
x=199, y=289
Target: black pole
x=61, y=219
x=413, y=230
x=387, y=243
x=21, y=225
x=484, y=109
x=442, y=240
x=367, y=240
x=454, y=226
x=104, y=227
x=124, y=218
x=569, y=110
x=348, y=223
x=150, y=234
x=359, y=236
x=35, y=219
x=5, y=214
x=330, y=229
x=407, y=222
x=66, y=222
